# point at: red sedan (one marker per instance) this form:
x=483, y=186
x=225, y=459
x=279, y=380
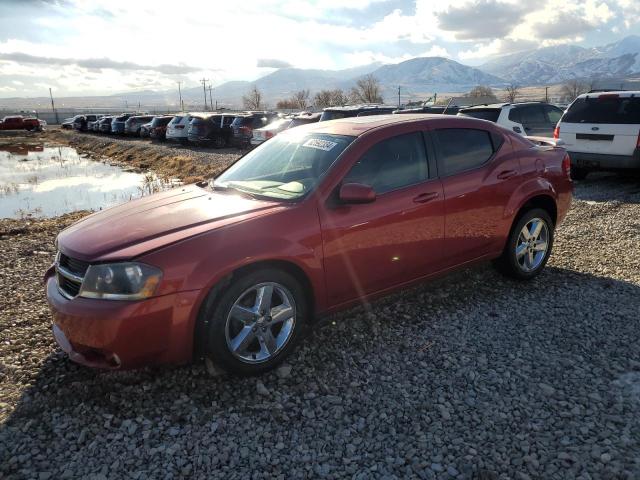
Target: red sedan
x=317, y=219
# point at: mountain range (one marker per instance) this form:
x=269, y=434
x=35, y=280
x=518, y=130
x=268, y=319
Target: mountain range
x=418, y=77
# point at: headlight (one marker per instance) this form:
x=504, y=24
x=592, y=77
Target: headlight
x=120, y=281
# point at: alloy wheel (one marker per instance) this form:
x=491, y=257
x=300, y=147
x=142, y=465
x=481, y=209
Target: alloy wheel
x=260, y=322
x=532, y=244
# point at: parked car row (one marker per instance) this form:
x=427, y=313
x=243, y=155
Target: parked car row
x=219, y=129
x=18, y=122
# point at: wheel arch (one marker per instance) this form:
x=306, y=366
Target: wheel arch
x=213, y=295
x=542, y=200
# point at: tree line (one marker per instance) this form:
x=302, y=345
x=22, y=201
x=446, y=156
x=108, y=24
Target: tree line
x=369, y=90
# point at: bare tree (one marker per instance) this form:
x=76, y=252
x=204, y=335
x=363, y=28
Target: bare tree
x=330, y=98
x=572, y=88
x=301, y=99
x=481, y=91
x=511, y=93
x=253, y=99
x=287, y=104
x=367, y=90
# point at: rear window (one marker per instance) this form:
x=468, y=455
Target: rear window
x=490, y=114
x=198, y=121
x=242, y=121
x=461, y=149
x=604, y=109
x=176, y=119
x=335, y=115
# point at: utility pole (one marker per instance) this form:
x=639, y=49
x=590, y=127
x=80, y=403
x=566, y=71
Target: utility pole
x=210, y=97
x=180, y=95
x=398, y=96
x=53, y=107
x=546, y=94
x=204, y=89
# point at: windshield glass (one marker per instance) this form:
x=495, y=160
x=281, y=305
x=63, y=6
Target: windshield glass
x=288, y=166
x=335, y=115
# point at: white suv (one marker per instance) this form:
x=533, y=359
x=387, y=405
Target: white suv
x=178, y=127
x=601, y=131
x=526, y=118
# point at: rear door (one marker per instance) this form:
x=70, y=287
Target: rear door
x=479, y=175
x=605, y=124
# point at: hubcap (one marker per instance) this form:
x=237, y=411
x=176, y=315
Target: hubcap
x=532, y=244
x=260, y=322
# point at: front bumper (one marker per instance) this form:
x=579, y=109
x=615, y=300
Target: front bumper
x=120, y=334
x=601, y=161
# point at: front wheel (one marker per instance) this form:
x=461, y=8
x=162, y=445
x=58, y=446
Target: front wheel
x=529, y=245
x=256, y=322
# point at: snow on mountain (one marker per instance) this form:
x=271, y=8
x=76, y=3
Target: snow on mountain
x=562, y=62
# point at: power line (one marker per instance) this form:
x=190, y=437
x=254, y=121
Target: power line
x=204, y=90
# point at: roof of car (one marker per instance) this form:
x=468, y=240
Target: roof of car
x=368, y=106
x=500, y=105
x=612, y=93
x=356, y=126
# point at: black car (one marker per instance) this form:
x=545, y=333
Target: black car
x=334, y=113
x=244, y=124
x=133, y=124
x=215, y=129
x=117, y=124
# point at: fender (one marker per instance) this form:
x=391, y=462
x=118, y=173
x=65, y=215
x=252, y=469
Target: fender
x=525, y=192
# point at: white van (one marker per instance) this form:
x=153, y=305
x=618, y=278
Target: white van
x=601, y=131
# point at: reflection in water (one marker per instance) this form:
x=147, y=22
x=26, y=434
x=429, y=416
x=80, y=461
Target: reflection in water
x=21, y=148
x=51, y=181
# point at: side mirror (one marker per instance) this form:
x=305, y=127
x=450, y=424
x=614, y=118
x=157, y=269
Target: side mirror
x=356, y=193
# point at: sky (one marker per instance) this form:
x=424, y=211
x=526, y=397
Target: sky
x=86, y=48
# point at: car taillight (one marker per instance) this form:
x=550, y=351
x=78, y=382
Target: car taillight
x=268, y=134
x=245, y=129
x=566, y=165
x=556, y=132
x=179, y=127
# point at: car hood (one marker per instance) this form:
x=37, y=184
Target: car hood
x=152, y=222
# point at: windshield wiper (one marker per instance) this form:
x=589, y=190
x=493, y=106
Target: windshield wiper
x=226, y=188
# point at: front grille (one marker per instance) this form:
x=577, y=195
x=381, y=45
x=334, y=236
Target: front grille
x=70, y=273
x=68, y=286
x=77, y=267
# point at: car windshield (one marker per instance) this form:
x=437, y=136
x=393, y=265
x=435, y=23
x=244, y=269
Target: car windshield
x=604, y=109
x=286, y=167
x=336, y=114
x=490, y=114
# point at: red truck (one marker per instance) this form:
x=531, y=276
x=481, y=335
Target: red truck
x=18, y=122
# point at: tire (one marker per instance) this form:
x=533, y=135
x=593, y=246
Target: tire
x=578, y=173
x=265, y=344
x=530, y=260
x=218, y=142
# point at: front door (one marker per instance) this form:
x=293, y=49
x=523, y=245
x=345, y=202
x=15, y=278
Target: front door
x=398, y=237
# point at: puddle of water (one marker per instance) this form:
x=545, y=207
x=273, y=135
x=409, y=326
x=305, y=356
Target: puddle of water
x=50, y=181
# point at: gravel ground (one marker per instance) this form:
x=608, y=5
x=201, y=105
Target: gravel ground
x=470, y=377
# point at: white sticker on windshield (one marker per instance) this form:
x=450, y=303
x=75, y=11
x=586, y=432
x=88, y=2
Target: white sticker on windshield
x=319, y=144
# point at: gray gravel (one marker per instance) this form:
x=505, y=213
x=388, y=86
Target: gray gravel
x=471, y=377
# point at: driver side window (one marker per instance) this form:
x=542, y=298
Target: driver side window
x=391, y=164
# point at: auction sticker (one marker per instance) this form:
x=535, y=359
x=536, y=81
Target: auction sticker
x=319, y=144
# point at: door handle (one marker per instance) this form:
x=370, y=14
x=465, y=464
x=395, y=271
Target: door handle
x=507, y=174
x=425, y=197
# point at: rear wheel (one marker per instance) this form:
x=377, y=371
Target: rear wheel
x=256, y=322
x=529, y=245
x=218, y=142
x=578, y=173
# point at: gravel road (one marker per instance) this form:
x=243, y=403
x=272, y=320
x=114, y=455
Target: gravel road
x=470, y=377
